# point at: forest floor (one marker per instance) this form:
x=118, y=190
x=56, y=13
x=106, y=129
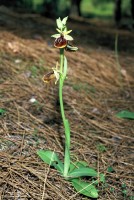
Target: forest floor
x=96, y=89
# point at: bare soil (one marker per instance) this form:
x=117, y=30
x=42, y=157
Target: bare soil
x=96, y=89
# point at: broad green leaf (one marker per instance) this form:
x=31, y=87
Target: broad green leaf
x=64, y=21
x=59, y=23
x=82, y=171
x=2, y=111
x=77, y=165
x=85, y=188
x=55, y=35
x=48, y=156
x=125, y=114
x=68, y=37
x=51, y=158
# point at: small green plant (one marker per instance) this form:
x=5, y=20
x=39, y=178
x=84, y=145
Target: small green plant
x=125, y=114
x=2, y=111
x=72, y=172
x=110, y=169
x=101, y=148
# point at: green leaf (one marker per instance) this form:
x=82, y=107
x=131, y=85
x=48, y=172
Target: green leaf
x=2, y=111
x=59, y=23
x=55, y=35
x=59, y=30
x=64, y=21
x=77, y=165
x=82, y=171
x=85, y=188
x=68, y=37
x=51, y=158
x=125, y=114
x=66, y=161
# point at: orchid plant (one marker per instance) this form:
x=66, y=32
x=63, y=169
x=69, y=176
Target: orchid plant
x=71, y=171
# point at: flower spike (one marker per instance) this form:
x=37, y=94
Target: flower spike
x=62, y=38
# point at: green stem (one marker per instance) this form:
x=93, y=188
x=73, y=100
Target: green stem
x=61, y=84
x=65, y=121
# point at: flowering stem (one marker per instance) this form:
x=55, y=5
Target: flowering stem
x=65, y=121
x=61, y=83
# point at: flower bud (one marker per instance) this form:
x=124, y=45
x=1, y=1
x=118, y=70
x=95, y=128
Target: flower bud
x=60, y=42
x=70, y=47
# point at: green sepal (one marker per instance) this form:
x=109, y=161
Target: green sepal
x=68, y=37
x=59, y=30
x=59, y=23
x=82, y=171
x=51, y=158
x=67, y=32
x=85, y=188
x=55, y=35
x=71, y=48
x=64, y=21
x=125, y=114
